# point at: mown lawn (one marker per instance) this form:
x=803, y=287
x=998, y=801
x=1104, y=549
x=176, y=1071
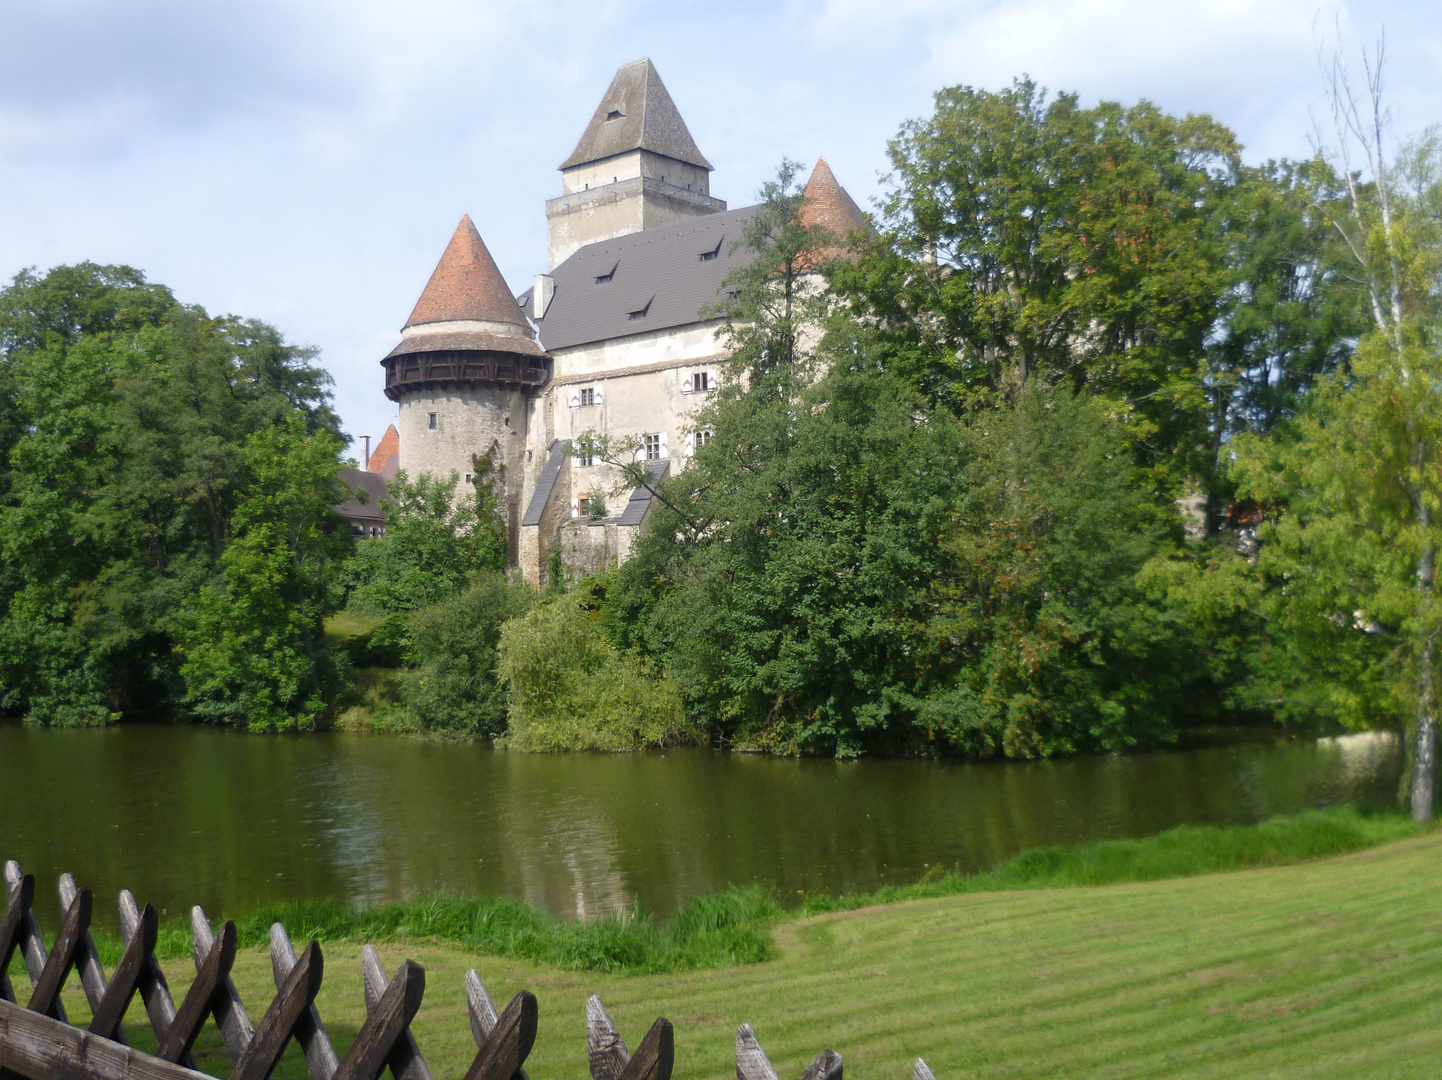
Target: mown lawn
x=1330, y=968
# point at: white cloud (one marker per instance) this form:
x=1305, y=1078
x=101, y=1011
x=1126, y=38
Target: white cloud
x=304, y=161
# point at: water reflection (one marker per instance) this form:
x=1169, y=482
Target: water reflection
x=187, y=815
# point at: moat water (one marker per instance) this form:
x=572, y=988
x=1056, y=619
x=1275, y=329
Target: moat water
x=192, y=815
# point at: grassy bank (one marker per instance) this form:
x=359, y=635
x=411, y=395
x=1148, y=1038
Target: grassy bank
x=1330, y=969
x=738, y=925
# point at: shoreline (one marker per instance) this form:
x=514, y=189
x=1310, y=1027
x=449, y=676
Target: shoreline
x=737, y=924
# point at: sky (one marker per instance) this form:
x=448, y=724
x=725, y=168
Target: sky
x=305, y=162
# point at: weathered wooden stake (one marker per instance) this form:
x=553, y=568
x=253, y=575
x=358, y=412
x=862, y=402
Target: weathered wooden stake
x=295, y=996
x=385, y=1024
x=46, y=997
x=195, y=1009
x=230, y=1015
x=116, y=997
x=87, y=960
x=154, y=990
x=32, y=943
x=509, y=1042
x=315, y=1043
x=606, y=1051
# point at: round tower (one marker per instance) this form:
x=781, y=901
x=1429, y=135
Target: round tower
x=461, y=374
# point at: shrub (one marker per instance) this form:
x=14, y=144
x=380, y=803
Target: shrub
x=452, y=687
x=571, y=689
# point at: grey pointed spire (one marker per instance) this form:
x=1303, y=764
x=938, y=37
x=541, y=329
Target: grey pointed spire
x=636, y=113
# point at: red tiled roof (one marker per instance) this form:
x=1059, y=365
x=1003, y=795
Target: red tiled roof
x=466, y=285
x=829, y=207
x=388, y=447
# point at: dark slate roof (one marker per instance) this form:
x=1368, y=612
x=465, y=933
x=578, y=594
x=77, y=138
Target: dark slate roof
x=636, y=114
x=658, y=271
x=546, y=485
x=640, y=500
x=374, y=487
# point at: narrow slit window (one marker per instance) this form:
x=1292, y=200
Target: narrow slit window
x=431, y=423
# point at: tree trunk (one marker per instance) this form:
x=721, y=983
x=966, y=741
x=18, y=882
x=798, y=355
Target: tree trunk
x=1424, y=766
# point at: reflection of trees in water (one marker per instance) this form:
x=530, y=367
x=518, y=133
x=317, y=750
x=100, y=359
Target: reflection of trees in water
x=185, y=815
x=1363, y=759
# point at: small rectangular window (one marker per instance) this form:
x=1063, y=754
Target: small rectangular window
x=432, y=424
x=703, y=437
x=701, y=381
x=468, y=478
x=653, y=447
x=588, y=396
x=586, y=460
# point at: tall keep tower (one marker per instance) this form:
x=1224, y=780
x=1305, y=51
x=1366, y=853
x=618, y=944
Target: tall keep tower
x=636, y=167
x=461, y=374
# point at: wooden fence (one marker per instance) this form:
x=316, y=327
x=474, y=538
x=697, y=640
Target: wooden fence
x=38, y=1042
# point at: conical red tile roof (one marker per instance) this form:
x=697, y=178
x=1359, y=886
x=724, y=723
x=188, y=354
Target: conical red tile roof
x=466, y=285
x=387, y=448
x=828, y=206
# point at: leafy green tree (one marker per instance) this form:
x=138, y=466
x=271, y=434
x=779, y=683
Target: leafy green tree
x=451, y=685
x=433, y=545
x=124, y=420
x=1056, y=644
x=571, y=689
x=251, y=643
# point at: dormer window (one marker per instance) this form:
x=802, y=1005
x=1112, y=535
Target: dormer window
x=602, y=279
x=640, y=313
x=707, y=256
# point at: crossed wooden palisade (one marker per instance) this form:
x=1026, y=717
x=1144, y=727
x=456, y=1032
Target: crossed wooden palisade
x=38, y=1042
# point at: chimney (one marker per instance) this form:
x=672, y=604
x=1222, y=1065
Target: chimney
x=541, y=296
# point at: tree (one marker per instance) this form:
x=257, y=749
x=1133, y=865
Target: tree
x=1043, y=617
x=1025, y=238
x=434, y=544
x=571, y=689
x=124, y=425
x=452, y=686
x=1353, y=552
x=251, y=643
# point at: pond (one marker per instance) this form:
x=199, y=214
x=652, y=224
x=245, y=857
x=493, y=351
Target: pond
x=184, y=815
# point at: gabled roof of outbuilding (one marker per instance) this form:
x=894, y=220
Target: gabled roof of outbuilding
x=466, y=285
x=636, y=113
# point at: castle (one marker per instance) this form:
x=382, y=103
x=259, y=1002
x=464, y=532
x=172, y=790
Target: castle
x=609, y=339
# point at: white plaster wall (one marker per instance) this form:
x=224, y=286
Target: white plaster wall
x=628, y=166
x=626, y=206
x=631, y=406
x=694, y=342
